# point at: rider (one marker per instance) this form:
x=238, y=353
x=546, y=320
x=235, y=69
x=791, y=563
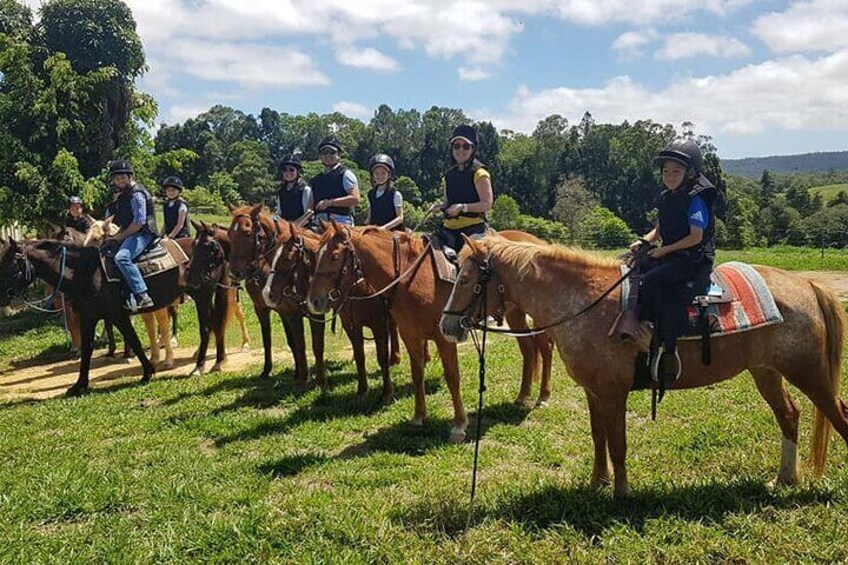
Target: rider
x=468, y=191
x=385, y=202
x=134, y=215
x=294, y=198
x=175, y=209
x=335, y=191
x=686, y=228
x=75, y=218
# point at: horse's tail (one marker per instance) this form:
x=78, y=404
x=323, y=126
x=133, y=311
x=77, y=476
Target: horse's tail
x=834, y=323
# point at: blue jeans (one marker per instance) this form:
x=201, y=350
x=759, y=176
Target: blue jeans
x=327, y=216
x=131, y=248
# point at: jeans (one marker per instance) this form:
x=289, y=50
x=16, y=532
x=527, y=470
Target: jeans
x=327, y=216
x=131, y=248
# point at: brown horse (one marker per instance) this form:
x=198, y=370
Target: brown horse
x=252, y=235
x=806, y=348
x=291, y=271
x=348, y=254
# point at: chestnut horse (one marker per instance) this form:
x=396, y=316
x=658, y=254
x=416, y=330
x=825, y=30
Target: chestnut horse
x=252, y=235
x=291, y=270
x=806, y=348
x=418, y=299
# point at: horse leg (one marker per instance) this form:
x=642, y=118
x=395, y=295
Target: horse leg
x=126, y=328
x=450, y=364
x=152, y=336
x=381, y=342
x=201, y=304
x=87, y=326
x=73, y=321
x=527, y=345
x=110, y=338
x=298, y=346
x=613, y=409
x=218, y=310
x=173, y=312
x=545, y=345
x=317, y=334
x=416, y=348
x=354, y=333
x=264, y=316
x=163, y=321
x=601, y=473
x=394, y=351
x=235, y=308
x=770, y=384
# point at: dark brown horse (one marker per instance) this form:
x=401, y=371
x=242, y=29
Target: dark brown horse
x=252, y=235
x=346, y=255
x=209, y=285
x=76, y=272
x=291, y=271
x=548, y=282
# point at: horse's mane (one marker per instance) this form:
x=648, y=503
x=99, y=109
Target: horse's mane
x=525, y=257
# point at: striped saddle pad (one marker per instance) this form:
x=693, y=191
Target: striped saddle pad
x=161, y=258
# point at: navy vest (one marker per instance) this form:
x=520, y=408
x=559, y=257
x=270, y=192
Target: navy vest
x=124, y=213
x=80, y=224
x=673, y=208
x=331, y=185
x=382, y=210
x=172, y=216
x=290, y=201
x=460, y=189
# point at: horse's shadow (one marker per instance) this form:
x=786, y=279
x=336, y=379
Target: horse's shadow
x=401, y=438
x=592, y=512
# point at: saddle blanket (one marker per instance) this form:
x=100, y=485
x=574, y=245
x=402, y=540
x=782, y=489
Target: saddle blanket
x=161, y=258
x=739, y=300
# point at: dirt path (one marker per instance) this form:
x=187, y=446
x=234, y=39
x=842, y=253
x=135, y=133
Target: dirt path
x=53, y=379
x=837, y=280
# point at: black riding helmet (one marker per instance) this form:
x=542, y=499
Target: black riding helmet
x=683, y=151
x=466, y=132
x=330, y=141
x=291, y=161
x=382, y=159
x=175, y=182
x=120, y=167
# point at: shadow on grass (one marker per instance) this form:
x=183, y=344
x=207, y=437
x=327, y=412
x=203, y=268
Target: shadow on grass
x=592, y=512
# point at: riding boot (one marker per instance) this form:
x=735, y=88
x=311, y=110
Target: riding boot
x=627, y=325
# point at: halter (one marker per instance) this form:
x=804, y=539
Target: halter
x=299, y=260
x=25, y=275
x=355, y=267
x=256, y=232
x=478, y=297
x=218, y=259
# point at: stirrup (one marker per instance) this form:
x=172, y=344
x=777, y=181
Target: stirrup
x=655, y=365
x=131, y=303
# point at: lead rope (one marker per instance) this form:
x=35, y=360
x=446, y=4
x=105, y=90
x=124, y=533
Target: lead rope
x=480, y=345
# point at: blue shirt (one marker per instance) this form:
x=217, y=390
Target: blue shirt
x=139, y=208
x=698, y=214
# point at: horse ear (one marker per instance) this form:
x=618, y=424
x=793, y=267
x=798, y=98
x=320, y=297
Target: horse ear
x=472, y=245
x=324, y=225
x=232, y=206
x=197, y=227
x=256, y=210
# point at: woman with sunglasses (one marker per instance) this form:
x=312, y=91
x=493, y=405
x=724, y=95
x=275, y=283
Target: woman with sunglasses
x=294, y=199
x=336, y=190
x=468, y=191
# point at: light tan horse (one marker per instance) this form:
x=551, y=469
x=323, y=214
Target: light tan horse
x=550, y=282
x=347, y=255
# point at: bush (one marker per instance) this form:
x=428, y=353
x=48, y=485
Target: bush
x=603, y=229
x=199, y=198
x=505, y=213
x=548, y=230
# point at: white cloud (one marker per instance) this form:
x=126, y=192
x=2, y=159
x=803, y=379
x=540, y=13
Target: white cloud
x=687, y=45
x=819, y=25
x=600, y=12
x=473, y=74
x=791, y=94
x=178, y=113
x=631, y=43
x=352, y=110
x=366, y=58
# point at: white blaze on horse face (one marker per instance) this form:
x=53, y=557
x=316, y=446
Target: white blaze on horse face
x=269, y=284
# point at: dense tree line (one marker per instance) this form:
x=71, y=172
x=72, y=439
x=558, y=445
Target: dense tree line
x=68, y=104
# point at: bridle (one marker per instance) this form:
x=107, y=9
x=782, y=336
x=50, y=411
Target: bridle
x=257, y=233
x=23, y=277
x=207, y=274
x=478, y=302
x=299, y=264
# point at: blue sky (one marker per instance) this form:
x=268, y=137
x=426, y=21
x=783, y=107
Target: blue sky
x=765, y=77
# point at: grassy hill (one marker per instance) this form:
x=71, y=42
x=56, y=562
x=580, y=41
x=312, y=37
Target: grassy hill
x=830, y=191
x=753, y=167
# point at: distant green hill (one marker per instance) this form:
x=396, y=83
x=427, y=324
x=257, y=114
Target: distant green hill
x=753, y=167
x=830, y=191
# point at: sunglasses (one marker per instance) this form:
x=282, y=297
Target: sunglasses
x=461, y=145
x=289, y=170
x=328, y=151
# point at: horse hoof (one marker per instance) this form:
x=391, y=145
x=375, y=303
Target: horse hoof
x=110, y=353
x=522, y=402
x=215, y=368
x=245, y=346
x=197, y=371
x=621, y=493
x=542, y=403
x=264, y=375
x=457, y=435
x=395, y=360
x=145, y=379
x=361, y=391
x=417, y=422
x=174, y=342
x=77, y=390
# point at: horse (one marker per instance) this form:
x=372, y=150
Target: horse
x=76, y=271
x=208, y=283
x=252, y=235
x=349, y=256
x=163, y=318
x=806, y=349
x=291, y=270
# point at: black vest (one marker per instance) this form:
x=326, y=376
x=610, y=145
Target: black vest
x=382, y=210
x=290, y=201
x=172, y=216
x=673, y=208
x=460, y=189
x=80, y=224
x=124, y=213
x=331, y=185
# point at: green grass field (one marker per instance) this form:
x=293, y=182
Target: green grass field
x=228, y=468
x=830, y=191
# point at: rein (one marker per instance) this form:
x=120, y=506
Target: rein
x=28, y=279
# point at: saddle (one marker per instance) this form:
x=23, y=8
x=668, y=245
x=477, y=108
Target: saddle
x=446, y=269
x=161, y=256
